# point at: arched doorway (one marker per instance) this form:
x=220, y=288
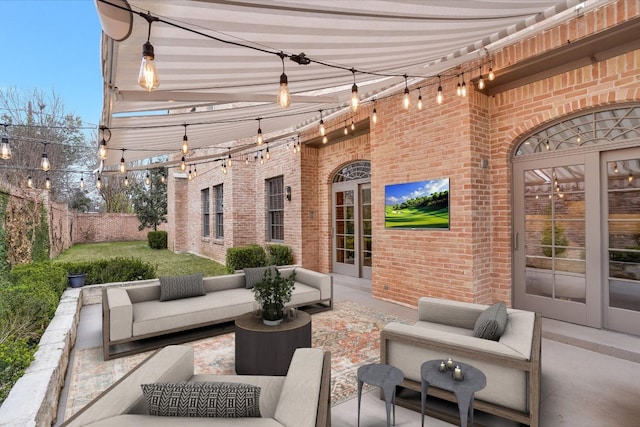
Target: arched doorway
x=576, y=248
x=351, y=220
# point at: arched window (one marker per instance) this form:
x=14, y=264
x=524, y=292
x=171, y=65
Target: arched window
x=356, y=170
x=600, y=127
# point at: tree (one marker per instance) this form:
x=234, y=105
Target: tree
x=80, y=201
x=39, y=124
x=150, y=202
x=115, y=194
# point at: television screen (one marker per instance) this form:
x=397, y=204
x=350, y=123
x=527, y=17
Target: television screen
x=417, y=205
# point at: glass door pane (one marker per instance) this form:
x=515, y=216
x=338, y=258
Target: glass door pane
x=623, y=194
x=366, y=248
x=344, y=211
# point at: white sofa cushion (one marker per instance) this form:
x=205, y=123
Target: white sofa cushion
x=129, y=420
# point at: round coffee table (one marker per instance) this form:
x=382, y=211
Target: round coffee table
x=386, y=377
x=474, y=380
x=267, y=350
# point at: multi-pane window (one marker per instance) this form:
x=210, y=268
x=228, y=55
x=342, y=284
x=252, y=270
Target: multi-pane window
x=275, y=208
x=204, y=199
x=219, y=193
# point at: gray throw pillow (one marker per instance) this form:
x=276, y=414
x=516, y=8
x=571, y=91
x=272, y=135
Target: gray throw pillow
x=202, y=399
x=177, y=287
x=491, y=323
x=254, y=275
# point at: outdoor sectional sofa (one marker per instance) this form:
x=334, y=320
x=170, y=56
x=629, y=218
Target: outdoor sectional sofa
x=445, y=329
x=135, y=319
x=299, y=399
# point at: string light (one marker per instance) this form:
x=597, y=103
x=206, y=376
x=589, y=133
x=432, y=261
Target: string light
x=163, y=178
x=189, y=175
x=481, y=80
x=98, y=183
x=5, y=149
x=246, y=160
x=346, y=130
x=123, y=165
x=147, y=179
x=183, y=164
x=374, y=113
x=229, y=162
x=491, y=74
x=126, y=181
x=353, y=125
x=284, y=97
x=259, y=138
x=102, y=151
x=439, y=97
x=321, y=128
x=268, y=155
x=615, y=167
x=81, y=182
x=261, y=158
x=29, y=182
x=195, y=171
x=44, y=163
x=47, y=183
x=185, y=141
x=464, y=87
x=355, y=99
x=148, y=76
x=325, y=139
x=419, y=99
x=459, y=86
x=406, y=102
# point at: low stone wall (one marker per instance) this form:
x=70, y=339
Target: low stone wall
x=33, y=400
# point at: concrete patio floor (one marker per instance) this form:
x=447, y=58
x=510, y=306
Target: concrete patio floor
x=590, y=377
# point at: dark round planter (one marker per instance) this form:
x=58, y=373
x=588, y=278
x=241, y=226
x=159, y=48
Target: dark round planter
x=76, y=280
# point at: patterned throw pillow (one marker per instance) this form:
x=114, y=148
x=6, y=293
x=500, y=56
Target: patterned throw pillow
x=178, y=287
x=253, y=276
x=491, y=323
x=202, y=399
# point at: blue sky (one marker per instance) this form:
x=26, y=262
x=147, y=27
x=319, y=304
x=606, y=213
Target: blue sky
x=53, y=45
x=399, y=193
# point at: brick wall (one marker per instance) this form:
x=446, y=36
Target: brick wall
x=106, y=227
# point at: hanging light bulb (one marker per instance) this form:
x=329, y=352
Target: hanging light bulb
x=355, y=99
x=464, y=87
x=148, y=75
x=98, y=183
x=81, y=182
x=321, y=128
x=102, y=150
x=491, y=74
x=353, y=125
x=419, y=99
x=162, y=178
x=374, y=113
x=47, y=183
x=481, y=80
x=346, y=130
x=224, y=167
x=259, y=138
x=195, y=171
x=268, y=155
x=630, y=177
x=459, y=87
x=123, y=165
x=615, y=167
x=439, y=97
x=406, y=102
x=44, y=163
x=5, y=149
x=185, y=141
x=246, y=160
x=183, y=164
x=29, y=182
x=147, y=179
x=325, y=139
x=189, y=175
x=284, y=97
x=229, y=161
x=126, y=181
x=261, y=158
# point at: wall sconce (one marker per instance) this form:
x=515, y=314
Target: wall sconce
x=287, y=193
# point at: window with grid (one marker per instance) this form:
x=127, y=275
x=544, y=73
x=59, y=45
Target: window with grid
x=219, y=211
x=204, y=199
x=275, y=208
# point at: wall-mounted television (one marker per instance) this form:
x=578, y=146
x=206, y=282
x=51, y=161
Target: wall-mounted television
x=417, y=205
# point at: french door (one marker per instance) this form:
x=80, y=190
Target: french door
x=351, y=230
x=576, y=241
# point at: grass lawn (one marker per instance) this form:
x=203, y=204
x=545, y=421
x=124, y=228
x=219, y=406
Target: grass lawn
x=416, y=218
x=167, y=262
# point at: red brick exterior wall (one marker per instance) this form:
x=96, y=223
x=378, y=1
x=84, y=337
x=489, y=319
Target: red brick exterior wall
x=106, y=227
x=468, y=140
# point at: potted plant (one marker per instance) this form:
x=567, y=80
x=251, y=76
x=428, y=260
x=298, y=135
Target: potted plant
x=76, y=280
x=272, y=294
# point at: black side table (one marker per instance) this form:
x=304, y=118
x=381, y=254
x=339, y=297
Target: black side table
x=386, y=377
x=474, y=380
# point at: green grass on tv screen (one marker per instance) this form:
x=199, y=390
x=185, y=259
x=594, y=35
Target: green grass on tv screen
x=422, y=217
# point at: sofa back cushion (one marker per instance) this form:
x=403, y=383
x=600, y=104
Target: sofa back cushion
x=255, y=275
x=449, y=312
x=178, y=287
x=202, y=399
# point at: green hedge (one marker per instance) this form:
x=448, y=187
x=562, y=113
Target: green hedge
x=245, y=257
x=111, y=270
x=157, y=239
x=255, y=256
x=280, y=255
x=15, y=357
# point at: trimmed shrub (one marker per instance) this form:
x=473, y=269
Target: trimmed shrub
x=157, y=239
x=280, y=254
x=245, y=257
x=15, y=357
x=111, y=270
x=44, y=274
